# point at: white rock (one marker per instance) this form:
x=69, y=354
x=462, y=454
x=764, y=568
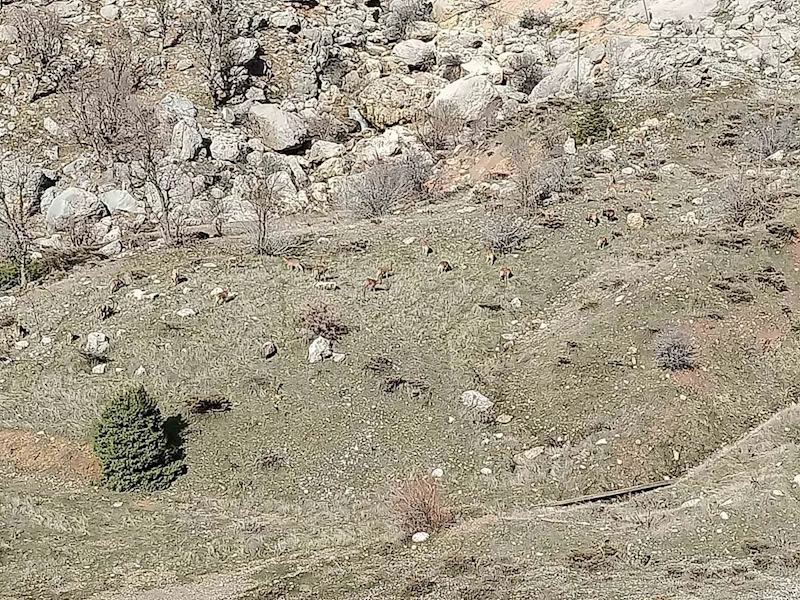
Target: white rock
x=476, y=401
x=486, y=471
x=691, y=503
x=184, y=64
x=175, y=106
x=635, y=220
x=186, y=312
x=51, y=127
x=724, y=516
x=473, y=97
x=46, y=341
x=415, y=53
x=99, y=369
x=140, y=372
x=777, y=493
x=111, y=249
x=437, y=473
x=797, y=479
x=628, y=171
x=319, y=350
x=338, y=357
x=74, y=202
x=7, y=301
x=269, y=349
x=420, y=537
x=186, y=138
x=117, y=201
x=110, y=12
x=409, y=240
x=21, y=344
x=321, y=151
x=97, y=343
x=281, y=130
x=570, y=147
x=601, y=442
x=749, y=53
x=516, y=303
x=504, y=419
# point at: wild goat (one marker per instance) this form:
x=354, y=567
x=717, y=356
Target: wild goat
x=444, y=267
x=384, y=272
x=593, y=219
x=369, y=284
x=426, y=249
x=602, y=243
x=294, y=264
x=490, y=256
x=505, y=274
x=318, y=272
x=610, y=214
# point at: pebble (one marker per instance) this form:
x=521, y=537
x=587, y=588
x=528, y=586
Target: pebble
x=486, y=471
x=186, y=312
x=724, y=516
x=420, y=537
x=797, y=479
x=516, y=303
x=46, y=341
x=504, y=419
x=117, y=505
x=99, y=369
x=140, y=372
x=437, y=473
x=269, y=349
x=409, y=240
x=778, y=493
x=601, y=442
x=21, y=344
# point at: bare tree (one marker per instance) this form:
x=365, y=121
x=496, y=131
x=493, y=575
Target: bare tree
x=41, y=39
x=439, y=125
x=388, y=186
x=213, y=31
x=15, y=212
x=153, y=177
x=164, y=13
x=267, y=236
x=101, y=100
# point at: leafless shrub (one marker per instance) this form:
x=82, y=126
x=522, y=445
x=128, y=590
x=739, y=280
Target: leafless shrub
x=533, y=19
x=404, y=13
x=504, y=232
x=41, y=39
x=101, y=100
x=536, y=179
x=318, y=319
x=16, y=211
x=326, y=127
x=526, y=72
x=266, y=235
x=208, y=404
x=153, y=177
x=746, y=201
x=388, y=186
x=213, y=31
x=439, y=126
x=417, y=505
x=165, y=15
x=767, y=135
x=674, y=352
x=449, y=65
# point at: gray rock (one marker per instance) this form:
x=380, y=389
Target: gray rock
x=415, y=53
x=97, y=343
x=117, y=201
x=285, y=19
x=476, y=401
x=281, y=130
x=111, y=248
x=110, y=12
x=595, y=53
x=51, y=127
x=422, y=30
x=186, y=138
x=563, y=80
x=8, y=34
x=243, y=50
x=398, y=99
x=184, y=64
x=749, y=53
x=66, y=9
x=269, y=350
x=319, y=350
x=175, y=106
x=225, y=146
x=473, y=97
x=322, y=151
x=74, y=202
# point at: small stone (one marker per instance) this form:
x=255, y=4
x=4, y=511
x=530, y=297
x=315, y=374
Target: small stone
x=476, y=401
x=635, y=220
x=184, y=64
x=269, y=349
x=724, y=516
x=601, y=442
x=570, y=147
x=691, y=503
x=486, y=471
x=778, y=493
x=117, y=505
x=409, y=240
x=140, y=372
x=46, y=341
x=420, y=537
x=797, y=479
x=516, y=303
x=504, y=419
x=7, y=301
x=328, y=286
x=110, y=12
x=338, y=357
x=319, y=350
x=99, y=369
x=21, y=344
x=186, y=312
x=437, y=473
x=628, y=171
x=97, y=343
x=13, y=59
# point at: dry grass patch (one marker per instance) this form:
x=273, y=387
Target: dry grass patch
x=418, y=505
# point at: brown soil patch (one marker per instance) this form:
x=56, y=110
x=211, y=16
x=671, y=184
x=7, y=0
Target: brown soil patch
x=42, y=453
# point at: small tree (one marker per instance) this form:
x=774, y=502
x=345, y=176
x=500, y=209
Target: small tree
x=267, y=237
x=41, y=39
x=132, y=446
x=674, y=351
x=526, y=72
x=440, y=125
x=15, y=213
x=164, y=14
x=504, y=232
x=387, y=186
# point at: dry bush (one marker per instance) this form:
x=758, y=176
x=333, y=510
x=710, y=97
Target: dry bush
x=17, y=208
x=449, y=65
x=767, y=135
x=745, y=201
x=266, y=234
x=417, y=505
x=41, y=39
x=328, y=128
x=440, y=125
x=318, y=319
x=404, y=13
x=526, y=72
x=165, y=14
x=213, y=30
x=388, y=186
x=208, y=404
x=533, y=19
x=504, y=232
x=674, y=351
x=537, y=180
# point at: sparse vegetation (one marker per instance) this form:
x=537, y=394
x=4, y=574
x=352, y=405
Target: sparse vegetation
x=526, y=73
x=16, y=212
x=132, y=445
x=388, y=186
x=674, y=351
x=504, y=232
x=267, y=235
x=418, y=505
x=404, y=13
x=317, y=318
x=41, y=40
x=440, y=125
x=746, y=201
x=767, y=135
x=534, y=19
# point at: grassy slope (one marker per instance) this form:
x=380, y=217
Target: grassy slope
x=568, y=380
